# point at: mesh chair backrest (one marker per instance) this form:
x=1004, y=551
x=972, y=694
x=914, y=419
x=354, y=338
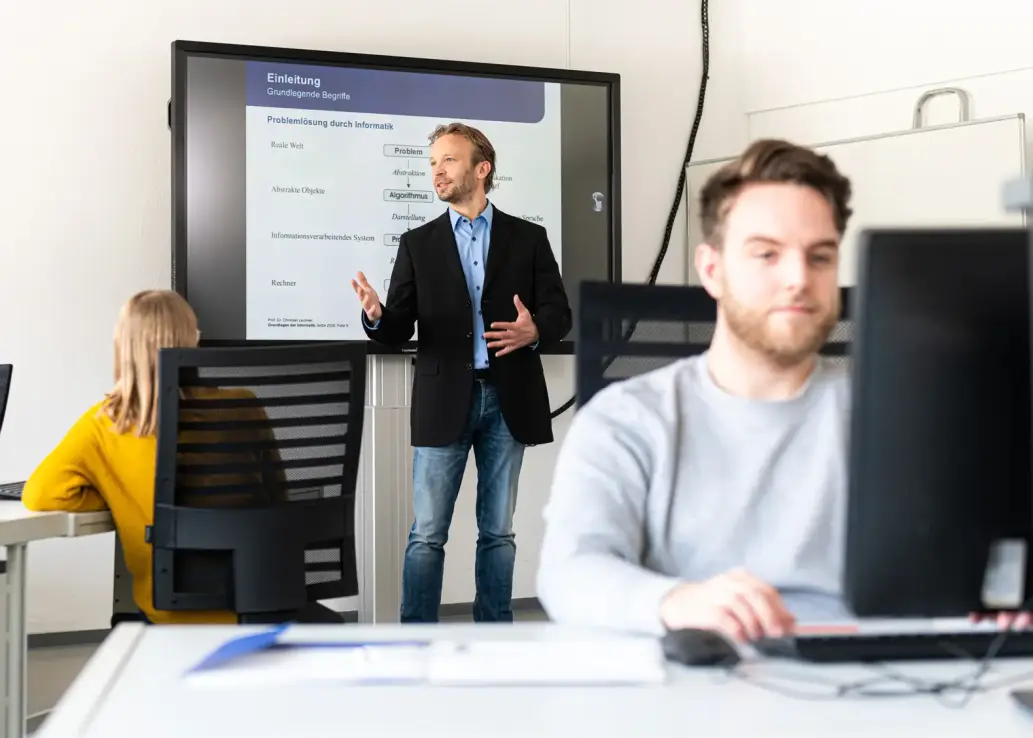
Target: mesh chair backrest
x=629, y=329
x=6, y=370
x=267, y=427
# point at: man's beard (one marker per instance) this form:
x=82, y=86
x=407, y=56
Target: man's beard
x=460, y=189
x=784, y=348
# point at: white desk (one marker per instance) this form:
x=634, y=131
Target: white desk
x=133, y=684
x=19, y=527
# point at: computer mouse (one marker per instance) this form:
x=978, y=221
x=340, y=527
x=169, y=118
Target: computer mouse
x=699, y=647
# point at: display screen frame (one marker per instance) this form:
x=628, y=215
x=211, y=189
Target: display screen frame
x=182, y=51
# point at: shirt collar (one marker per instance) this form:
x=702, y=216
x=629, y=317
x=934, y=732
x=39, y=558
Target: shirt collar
x=487, y=214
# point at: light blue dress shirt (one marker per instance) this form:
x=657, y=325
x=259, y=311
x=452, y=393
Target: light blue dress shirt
x=473, y=239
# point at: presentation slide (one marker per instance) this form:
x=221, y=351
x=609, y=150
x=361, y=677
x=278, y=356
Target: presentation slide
x=337, y=169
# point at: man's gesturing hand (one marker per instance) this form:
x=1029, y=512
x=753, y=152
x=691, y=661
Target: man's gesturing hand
x=735, y=603
x=508, y=337
x=368, y=297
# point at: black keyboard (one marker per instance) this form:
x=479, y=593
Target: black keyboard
x=11, y=490
x=899, y=646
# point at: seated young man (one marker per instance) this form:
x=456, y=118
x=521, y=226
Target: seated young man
x=711, y=493
x=107, y=459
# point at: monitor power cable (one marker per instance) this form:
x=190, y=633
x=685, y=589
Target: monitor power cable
x=679, y=189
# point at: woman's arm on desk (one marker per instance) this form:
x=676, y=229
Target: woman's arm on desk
x=62, y=481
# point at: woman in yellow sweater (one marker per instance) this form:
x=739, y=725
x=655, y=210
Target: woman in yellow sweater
x=107, y=459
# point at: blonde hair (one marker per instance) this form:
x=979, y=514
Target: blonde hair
x=151, y=320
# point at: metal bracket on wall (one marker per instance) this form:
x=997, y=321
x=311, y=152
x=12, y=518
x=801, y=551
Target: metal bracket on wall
x=964, y=104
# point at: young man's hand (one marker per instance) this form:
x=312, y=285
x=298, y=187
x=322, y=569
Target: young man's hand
x=736, y=604
x=1007, y=619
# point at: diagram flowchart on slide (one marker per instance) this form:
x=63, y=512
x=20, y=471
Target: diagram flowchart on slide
x=332, y=185
x=415, y=171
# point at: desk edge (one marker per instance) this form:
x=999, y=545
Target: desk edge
x=87, y=694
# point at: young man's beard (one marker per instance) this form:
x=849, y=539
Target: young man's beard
x=783, y=348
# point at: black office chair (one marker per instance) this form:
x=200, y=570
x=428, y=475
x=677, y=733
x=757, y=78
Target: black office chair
x=258, y=452
x=629, y=329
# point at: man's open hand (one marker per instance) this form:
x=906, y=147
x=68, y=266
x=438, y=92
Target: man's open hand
x=505, y=338
x=368, y=297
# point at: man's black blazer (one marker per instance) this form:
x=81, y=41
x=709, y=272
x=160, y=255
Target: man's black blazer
x=428, y=285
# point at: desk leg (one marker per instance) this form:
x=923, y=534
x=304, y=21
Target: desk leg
x=16, y=640
x=5, y=638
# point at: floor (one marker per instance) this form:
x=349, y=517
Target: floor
x=52, y=670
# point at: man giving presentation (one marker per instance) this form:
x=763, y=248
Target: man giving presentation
x=486, y=291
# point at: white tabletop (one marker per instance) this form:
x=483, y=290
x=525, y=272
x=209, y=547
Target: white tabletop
x=136, y=680
x=20, y=525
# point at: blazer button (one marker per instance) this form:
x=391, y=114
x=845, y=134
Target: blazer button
x=470, y=334
x=468, y=303
x=469, y=367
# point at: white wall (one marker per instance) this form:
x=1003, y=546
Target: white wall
x=84, y=200
x=800, y=51
x=816, y=71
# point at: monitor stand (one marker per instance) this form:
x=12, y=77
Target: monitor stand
x=1018, y=196
x=1024, y=698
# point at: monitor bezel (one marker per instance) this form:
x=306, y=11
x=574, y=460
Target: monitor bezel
x=182, y=51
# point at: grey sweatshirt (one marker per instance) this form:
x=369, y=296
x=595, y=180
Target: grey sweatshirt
x=665, y=478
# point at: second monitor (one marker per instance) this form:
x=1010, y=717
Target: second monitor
x=940, y=471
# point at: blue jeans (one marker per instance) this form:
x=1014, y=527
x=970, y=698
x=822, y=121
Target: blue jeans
x=437, y=475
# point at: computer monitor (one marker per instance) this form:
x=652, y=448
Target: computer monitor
x=939, y=458
x=6, y=370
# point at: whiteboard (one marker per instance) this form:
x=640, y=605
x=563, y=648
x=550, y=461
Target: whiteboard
x=945, y=176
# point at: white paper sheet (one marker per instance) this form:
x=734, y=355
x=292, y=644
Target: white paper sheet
x=449, y=663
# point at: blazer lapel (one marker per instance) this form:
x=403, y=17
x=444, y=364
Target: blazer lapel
x=498, y=249
x=445, y=244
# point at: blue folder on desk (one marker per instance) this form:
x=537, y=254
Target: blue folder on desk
x=268, y=640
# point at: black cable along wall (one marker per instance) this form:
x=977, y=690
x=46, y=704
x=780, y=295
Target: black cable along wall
x=680, y=188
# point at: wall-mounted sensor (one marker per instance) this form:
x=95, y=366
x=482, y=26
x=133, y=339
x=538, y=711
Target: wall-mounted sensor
x=597, y=202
